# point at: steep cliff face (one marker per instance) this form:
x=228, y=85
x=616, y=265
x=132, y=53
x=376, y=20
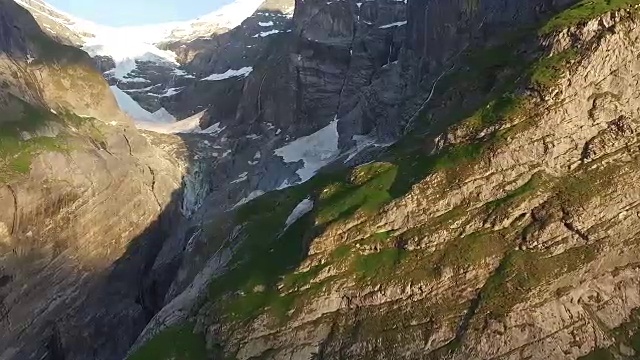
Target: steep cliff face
x=85, y=203
x=503, y=225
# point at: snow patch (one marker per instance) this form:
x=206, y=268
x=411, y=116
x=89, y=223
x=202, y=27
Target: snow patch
x=315, y=150
x=188, y=125
x=163, y=116
x=242, y=177
x=265, y=24
x=266, y=33
x=134, y=110
x=214, y=129
x=299, y=211
x=180, y=72
x=245, y=71
x=254, y=195
x=129, y=80
x=395, y=24
x=171, y=91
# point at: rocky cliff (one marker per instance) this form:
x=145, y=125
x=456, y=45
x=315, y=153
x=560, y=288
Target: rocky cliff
x=501, y=226
x=493, y=218
x=85, y=202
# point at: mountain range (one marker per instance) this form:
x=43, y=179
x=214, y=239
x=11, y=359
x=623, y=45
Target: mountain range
x=141, y=61
x=420, y=179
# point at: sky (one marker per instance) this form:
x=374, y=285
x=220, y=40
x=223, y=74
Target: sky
x=137, y=12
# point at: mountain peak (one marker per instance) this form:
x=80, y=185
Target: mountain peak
x=222, y=19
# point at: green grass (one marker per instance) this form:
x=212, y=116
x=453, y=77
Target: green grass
x=300, y=279
x=16, y=154
x=457, y=255
x=263, y=258
x=175, y=343
x=377, y=265
x=549, y=70
x=522, y=271
x=584, y=11
x=365, y=189
x=267, y=256
x=574, y=191
x=263, y=273
x=341, y=252
x=598, y=354
x=505, y=106
x=472, y=249
x=534, y=183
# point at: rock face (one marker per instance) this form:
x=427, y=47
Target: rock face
x=86, y=201
x=502, y=226
x=501, y=223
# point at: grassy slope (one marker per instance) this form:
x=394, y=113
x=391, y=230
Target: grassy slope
x=175, y=343
x=74, y=67
x=264, y=278
x=16, y=154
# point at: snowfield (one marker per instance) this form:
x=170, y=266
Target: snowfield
x=299, y=211
x=315, y=150
x=129, y=44
x=134, y=110
x=245, y=71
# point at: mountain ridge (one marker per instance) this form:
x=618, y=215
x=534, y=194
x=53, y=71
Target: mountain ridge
x=429, y=179
x=136, y=59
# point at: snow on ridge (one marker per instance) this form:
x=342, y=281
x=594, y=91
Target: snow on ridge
x=245, y=71
x=242, y=177
x=129, y=44
x=253, y=195
x=266, y=24
x=65, y=19
x=315, y=150
x=226, y=17
x=126, y=54
x=170, y=92
x=399, y=23
x=267, y=33
x=131, y=80
x=303, y=208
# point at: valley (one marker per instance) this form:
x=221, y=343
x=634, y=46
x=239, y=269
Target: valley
x=421, y=179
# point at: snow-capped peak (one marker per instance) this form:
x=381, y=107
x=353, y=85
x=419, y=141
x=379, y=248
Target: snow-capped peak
x=227, y=17
x=130, y=44
x=224, y=18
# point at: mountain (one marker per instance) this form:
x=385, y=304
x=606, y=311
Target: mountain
x=136, y=59
x=77, y=184
x=425, y=179
x=501, y=225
